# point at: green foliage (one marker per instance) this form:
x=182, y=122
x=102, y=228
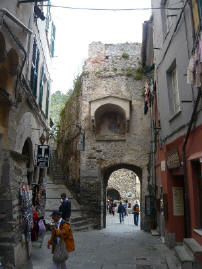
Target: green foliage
x=58, y=100
x=69, y=115
x=129, y=74
x=138, y=76
x=115, y=69
x=85, y=74
x=125, y=55
x=98, y=73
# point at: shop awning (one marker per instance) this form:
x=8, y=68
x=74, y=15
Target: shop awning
x=196, y=155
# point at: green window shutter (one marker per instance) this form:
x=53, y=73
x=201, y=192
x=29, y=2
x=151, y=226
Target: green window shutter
x=48, y=16
x=47, y=99
x=52, y=41
x=41, y=86
x=34, y=69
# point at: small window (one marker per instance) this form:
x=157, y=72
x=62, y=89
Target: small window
x=34, y=69
x=41, y=87
x=173, y=90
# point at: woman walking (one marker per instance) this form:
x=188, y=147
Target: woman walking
x=61, y=240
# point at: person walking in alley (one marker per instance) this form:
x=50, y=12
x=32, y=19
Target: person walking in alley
x=65, y=207
x=136, y=211
x=61, y=240
x=121, y=211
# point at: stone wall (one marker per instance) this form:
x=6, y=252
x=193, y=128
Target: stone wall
x=126, y=183
x=111, y=71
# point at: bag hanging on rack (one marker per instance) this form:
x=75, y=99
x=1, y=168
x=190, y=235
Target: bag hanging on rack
x=60, y=254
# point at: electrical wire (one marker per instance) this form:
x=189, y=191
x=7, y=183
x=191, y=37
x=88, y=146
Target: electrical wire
x=113, y=9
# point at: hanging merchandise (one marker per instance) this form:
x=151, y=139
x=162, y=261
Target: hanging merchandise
x=26, y=209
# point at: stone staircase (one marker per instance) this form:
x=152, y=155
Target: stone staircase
x=55, y=168
x=189, y=254
x=54, y=187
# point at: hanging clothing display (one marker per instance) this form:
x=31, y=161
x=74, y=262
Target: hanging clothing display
x=194, y=69
x=26, y=207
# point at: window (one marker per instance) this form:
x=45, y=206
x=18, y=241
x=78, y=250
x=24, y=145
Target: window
x=173, y=90
x=168, y=16
x=41, y=86
x=47, y=99
x=48, y=15
x=52, y=40
x=176, y=98
x=34, y=69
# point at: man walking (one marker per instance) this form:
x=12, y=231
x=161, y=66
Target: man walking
x=121, y=211
x=65, y=207
x=136, y=211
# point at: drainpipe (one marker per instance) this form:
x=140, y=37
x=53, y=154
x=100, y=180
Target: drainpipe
x=186, y=196
x=5, y=12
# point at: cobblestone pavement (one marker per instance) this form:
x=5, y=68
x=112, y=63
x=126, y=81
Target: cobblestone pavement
x=119, y=246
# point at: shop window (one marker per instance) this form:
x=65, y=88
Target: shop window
x=34, y=69
x=173, y=89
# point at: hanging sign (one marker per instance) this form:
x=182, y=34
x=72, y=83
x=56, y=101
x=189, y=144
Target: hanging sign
x=43, y=156
x=173, y=159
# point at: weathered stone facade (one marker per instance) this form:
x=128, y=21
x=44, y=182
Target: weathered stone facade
x=23, y=119
x=117, y=133
x=126, y=183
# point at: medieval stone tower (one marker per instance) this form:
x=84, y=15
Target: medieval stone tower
x=116, y=133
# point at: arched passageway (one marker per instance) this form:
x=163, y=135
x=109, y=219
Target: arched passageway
x=27, y=151
x=113, y=194
x=107, y=172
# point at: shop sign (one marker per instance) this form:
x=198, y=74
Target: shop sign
x=178, y=201
x=173, y=160
x=43, y=156
x=163, y=166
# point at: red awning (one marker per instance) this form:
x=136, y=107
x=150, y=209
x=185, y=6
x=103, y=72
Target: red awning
x=196, y=155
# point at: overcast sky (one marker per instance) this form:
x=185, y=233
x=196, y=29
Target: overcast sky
x=76, y=29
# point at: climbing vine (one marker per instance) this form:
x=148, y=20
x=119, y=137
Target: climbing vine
x=69, y=116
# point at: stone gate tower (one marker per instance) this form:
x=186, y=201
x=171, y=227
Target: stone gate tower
x=117, y=133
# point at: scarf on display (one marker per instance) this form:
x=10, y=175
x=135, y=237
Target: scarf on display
x=194, y=70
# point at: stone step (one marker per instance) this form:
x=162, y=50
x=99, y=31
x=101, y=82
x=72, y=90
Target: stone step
x=83, y=228
x=193, y=246
x=184, y=257
x=172, y=262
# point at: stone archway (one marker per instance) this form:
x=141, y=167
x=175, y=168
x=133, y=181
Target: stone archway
x=106, y=172
x=113, y=194
x=27, y=152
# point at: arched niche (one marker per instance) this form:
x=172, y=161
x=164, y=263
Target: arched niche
x=110, y=120
x=2, y=48
x=110, y=116
x=13, y=62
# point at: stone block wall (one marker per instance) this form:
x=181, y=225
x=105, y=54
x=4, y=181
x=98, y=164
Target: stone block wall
x=110, y=71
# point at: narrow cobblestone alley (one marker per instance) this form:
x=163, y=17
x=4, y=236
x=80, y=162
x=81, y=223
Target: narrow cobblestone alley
x=119, y=246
